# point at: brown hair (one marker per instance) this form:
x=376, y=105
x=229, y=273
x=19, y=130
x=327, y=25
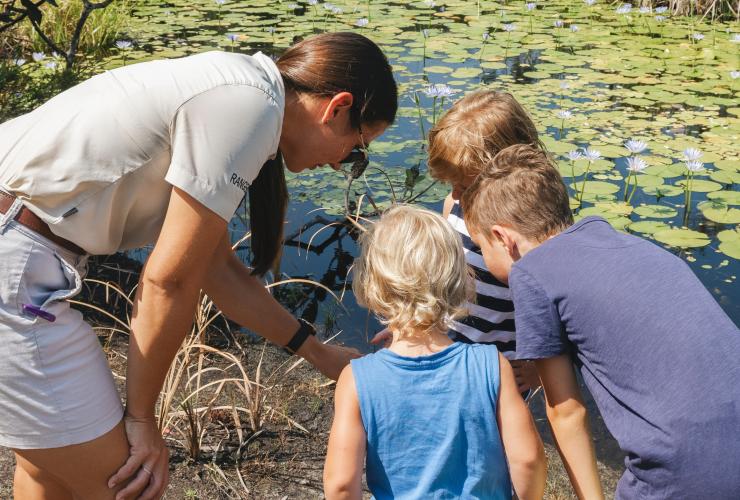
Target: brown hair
x=522, y=189
x=322, y=65
x=474, y=130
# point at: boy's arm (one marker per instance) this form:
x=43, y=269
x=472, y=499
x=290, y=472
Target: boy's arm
x=522, y=444
x=345, y=456
x=569, y=422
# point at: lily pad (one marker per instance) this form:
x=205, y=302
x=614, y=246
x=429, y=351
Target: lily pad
x=725, y=177
x=664, y=190
x=648, y=226
x=730, y=242
x=656, y=211
x=701, y=186
x=682, y=238
x=727, y=197
x=717, y=211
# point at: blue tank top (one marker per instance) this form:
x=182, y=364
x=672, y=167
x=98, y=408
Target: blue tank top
x=431, y=423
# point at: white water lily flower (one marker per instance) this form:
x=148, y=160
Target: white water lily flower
x=735, y=38
x=625, y=8
x=430, y=3
x=439, y=90
x=697, y=36
x=660, y=19
x=313, y=2
x=589, y=2
x=38, y=56
x=734, y=75
x=636, y=164
x=233, y=37
x=361, y=23
x=692, y=154
x=644, y=10
x=558, y=23
x=51, y=65
x=574, y=28
x=531, y=6
x=123, y=44
x=564, y=114
x=20, y=61
x=634, y=146
x=574, y=155
x=660, y=10
x=694, y=166
x=591, y=154
x=336, y=11
x=509, y=27
x=425, y=33
x=486, y=36
x=220, y=2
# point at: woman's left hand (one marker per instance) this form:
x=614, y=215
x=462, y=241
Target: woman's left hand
x=147, y=467
x=328, y=359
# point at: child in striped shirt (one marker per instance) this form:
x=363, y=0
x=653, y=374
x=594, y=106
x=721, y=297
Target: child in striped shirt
x=464, y=140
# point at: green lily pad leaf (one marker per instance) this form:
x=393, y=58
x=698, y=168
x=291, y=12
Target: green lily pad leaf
x=465, y=73
x=726, y=197
x=664, y=190
x=730, y=242
x=701, y=186
x=729, y=165
x=438, y=69
x=682, y=238
x=657, y=211
x=648, y=226
x=725, y=177
x=596, y=187
x=719, y=212
x=646, y=180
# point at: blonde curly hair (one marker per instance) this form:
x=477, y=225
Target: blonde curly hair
x=412, y=273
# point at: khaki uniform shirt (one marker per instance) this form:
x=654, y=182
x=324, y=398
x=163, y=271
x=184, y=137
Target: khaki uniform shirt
x=98, y=161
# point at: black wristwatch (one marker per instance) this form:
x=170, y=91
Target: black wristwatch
x=304, y=330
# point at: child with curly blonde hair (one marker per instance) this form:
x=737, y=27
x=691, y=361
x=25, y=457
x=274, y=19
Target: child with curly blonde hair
x=401, y=410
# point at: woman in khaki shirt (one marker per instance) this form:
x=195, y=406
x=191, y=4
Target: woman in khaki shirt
x=160, y=152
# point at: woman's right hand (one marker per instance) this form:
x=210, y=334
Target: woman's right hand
x=328, y=359
x=147, y=467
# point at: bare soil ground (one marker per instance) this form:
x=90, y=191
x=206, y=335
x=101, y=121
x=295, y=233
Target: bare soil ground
x=281, y=457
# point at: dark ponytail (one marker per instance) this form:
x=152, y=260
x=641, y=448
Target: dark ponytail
x=268, y=200
x=322, y=65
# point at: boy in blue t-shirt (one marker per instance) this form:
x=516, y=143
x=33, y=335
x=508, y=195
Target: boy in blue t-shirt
x=659, y=355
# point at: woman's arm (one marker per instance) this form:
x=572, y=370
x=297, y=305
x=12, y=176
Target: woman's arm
x=569, y=422
x=345, y=456
x=163, y=313
x=244, y=299
x=522, y=444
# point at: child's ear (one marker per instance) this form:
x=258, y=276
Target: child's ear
x=507, y=237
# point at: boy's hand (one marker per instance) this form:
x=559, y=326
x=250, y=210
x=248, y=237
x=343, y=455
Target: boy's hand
x=525, y=373
x=383, y=337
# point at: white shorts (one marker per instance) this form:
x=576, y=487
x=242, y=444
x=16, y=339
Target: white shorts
x=56, y=388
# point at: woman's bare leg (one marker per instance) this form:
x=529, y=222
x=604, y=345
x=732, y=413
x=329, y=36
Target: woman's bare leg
x=79, y=471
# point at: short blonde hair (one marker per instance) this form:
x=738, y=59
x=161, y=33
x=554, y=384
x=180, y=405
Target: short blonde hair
x=474, y=130
x=412, y=273
x=522, y=189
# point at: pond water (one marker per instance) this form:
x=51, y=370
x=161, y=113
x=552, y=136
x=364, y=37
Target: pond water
x=590, y=76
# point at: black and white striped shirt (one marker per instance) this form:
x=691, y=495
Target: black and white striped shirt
x=491, y=319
